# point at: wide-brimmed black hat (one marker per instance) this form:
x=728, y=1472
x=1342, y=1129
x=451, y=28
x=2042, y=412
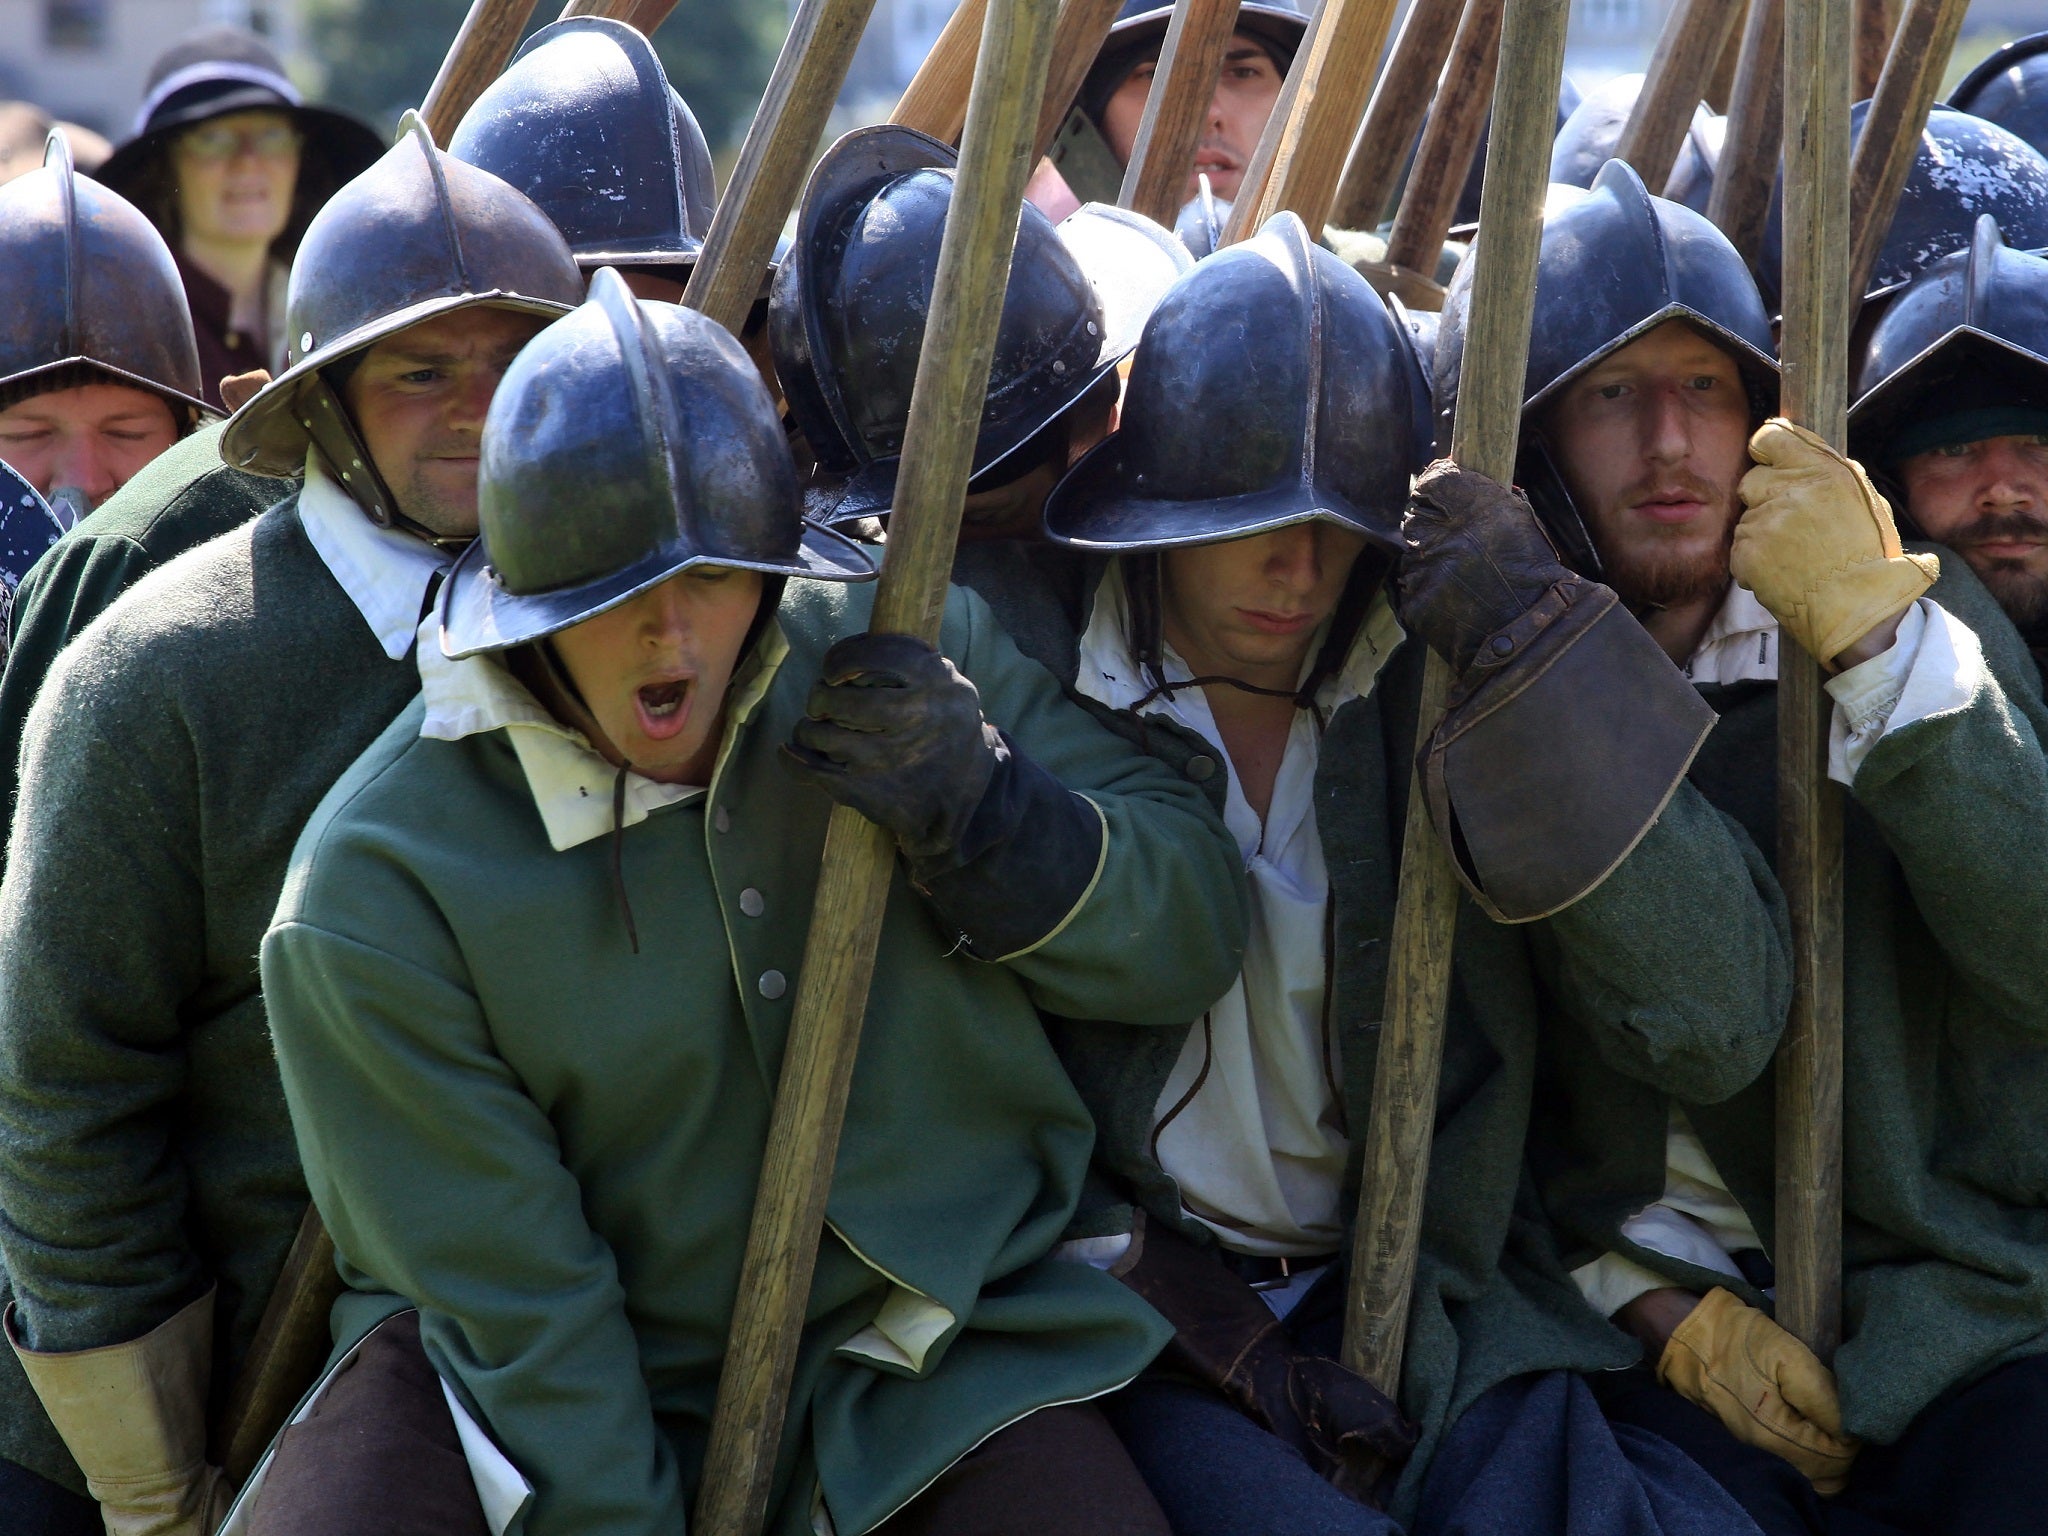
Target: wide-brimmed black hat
x=212, y=73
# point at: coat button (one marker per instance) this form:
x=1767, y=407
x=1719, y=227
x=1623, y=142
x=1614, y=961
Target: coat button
x=1502, y=644
x=751, y=902
x=722, y=819
x=773, y=984
x=1201, y=768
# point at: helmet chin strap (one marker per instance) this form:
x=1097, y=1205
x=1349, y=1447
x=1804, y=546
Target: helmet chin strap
x=340, y=444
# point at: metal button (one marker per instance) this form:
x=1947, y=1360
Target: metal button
x=722, y=819
x=751, y=902
x=1201, y=768
x=306, y=341
x=773, y=984
x=1502, y=644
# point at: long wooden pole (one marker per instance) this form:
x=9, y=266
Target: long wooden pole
x=935, y=101
x=1183, y=85
x=1741, y=200
x=1300, y=157
x=1815, y=393
x=775, y=157
x=1076, y=40
x=1400, y=101
x=649, y=14
x=482, y=47
x=1721, y=83
x=1875, y=22
x=1692, y=39
x=859, y=856
x=1449, y=141
x=1891, y=129
x=1484, y=436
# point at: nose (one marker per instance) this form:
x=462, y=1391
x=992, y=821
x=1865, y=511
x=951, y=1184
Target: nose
x=1667, y=428
x=2013, y=484
x=1295, y=560
x=471, y=399
x=83, y=462
x=665, y=626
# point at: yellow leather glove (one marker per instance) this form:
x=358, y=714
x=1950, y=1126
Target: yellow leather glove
x=134, y=1418
x=1765, y=1386
x=1818, y=546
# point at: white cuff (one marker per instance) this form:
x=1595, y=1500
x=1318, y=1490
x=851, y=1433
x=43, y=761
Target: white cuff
x=1611, y=1282
x=1935, y=665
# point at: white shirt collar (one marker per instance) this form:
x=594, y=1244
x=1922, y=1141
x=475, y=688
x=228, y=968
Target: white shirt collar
x=1740, y=645
x=570, y=782
x=385, y=572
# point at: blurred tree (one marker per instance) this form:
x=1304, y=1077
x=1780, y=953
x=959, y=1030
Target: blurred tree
x=379, y=56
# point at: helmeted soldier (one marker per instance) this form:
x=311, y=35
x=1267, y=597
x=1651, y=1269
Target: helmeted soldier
x=847, y=317
x=646, y=626
x=98, y=369
x=1723, y=531
x=231, y=164
x=151, y=1187
x=1586, y=141
x=1951, y=414
x=2010, y=88
x=1250, y=507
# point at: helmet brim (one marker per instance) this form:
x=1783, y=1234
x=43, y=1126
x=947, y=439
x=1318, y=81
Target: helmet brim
x=1965, y=351
x=207, y=412
x=1758, y=367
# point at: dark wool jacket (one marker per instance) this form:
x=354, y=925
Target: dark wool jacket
x=180, y=744
x=1946, y=998
x=1491, y=1299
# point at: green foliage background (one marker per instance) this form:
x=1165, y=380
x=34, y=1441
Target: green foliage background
x=379, y=56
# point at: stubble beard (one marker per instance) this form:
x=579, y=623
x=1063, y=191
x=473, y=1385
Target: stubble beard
x=1654, y=569
x=2021, y=592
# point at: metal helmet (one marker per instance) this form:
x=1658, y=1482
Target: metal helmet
x=2010, y=88
x=27, y=530
x=1964, y=167
x=1466, y=219
x=418, y=235
x=847, y=312
x=1969, y=332
x=629, y=441
x=1587, y=139
x=1272, y=387
x=95, y=290
x=1199, y=225
x=585, y=123
x=1615, y=264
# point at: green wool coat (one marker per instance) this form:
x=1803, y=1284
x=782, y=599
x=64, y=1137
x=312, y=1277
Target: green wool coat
x=1946, y=1032
x=182, y=498
x=550, y=1144
x=169, y=764
x=1491, y=1299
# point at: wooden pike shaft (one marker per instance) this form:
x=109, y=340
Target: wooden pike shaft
x=1721, y=84
x=1400, y=101
x=1815, y=352
x=1444, y=158
x=1300, y=157
x=1077, y=38
x=774, y=159
x=935, y=101
x=1691, y=41
x=611, y=10
x=1875, y=22
x=1741, y=200
x=482, y=46
x=1891, y=130
x=1389, y=1226
x=859, y=857
x=1184, y=83
x=650, y=14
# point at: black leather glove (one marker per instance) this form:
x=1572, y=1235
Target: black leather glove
x=1477, y=561
x=893, y=730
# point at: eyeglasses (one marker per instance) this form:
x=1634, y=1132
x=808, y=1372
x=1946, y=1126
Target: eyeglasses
x=216, y=142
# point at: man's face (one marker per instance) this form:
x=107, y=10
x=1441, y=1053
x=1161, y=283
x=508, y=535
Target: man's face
x=89, y=441
x=419, y=398
x=654, y=671
x=1243, y=100
x=1988, y=501
x=1250, y=607
x=1652, y=442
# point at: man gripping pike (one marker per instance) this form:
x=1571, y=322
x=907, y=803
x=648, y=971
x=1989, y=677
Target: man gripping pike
x=149, y=1187
x=647, y=687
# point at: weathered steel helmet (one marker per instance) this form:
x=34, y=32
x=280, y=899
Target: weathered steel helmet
x=1969, y=333
x=585, y=123
x=1964, y=167
x=629, y=441
x=1465, y=221
x=847, y=312
x=95, y=290
x=417, y=235
x=1586, y=141
x=27, y=530
x=1615, y=264
x=1272, y=387
x=2010, y=88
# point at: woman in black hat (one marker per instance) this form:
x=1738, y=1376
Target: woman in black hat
x=231, y=165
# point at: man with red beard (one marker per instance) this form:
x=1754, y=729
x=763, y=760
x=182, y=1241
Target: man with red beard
x=1648, y=461
x=1952, y=413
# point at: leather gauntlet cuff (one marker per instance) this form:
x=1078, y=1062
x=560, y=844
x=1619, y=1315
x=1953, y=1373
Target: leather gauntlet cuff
x=1028, y=857
x=1561, y=745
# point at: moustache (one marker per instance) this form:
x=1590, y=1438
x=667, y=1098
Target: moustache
x=1681, y=482
x=1999, y=527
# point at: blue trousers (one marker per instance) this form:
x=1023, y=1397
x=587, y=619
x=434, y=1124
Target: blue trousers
x=32, y=1505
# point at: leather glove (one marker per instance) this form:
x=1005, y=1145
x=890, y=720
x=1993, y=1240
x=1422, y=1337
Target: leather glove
x=893, y=730
x=1818, y=545
x=1477, y=561
x=1765, y=1386
x=134, y=1418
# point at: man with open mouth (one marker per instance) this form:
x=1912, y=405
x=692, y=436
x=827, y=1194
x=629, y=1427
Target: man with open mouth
x=531, y=983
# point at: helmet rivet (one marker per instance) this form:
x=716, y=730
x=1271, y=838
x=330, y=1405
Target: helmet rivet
x=305, y=341
x=1092, y=331
x=1058, y=366
x=344, y=474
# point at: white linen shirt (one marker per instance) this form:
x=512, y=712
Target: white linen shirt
x=385, y=572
